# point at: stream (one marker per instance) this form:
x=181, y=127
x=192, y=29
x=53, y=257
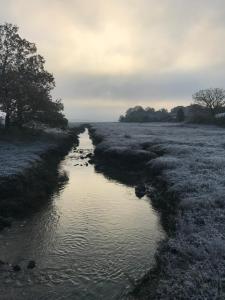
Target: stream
x=89, y=242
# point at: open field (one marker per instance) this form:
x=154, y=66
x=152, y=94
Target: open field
x=191, y=159
x=19, y=152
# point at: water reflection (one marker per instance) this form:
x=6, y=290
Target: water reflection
x=87, y=241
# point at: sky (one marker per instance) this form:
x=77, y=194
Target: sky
x=109, y=55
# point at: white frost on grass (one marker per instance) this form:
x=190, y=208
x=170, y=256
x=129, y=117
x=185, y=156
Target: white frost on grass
x=193, y=165
x=16, y=156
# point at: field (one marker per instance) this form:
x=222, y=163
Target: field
x=19, y=152
x=192, y=162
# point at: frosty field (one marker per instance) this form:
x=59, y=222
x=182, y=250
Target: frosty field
x=193, y=166
x=19, y=154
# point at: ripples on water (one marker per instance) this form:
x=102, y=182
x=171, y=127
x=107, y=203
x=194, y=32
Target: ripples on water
x=87, y=241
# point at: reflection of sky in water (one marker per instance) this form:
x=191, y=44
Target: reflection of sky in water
x=93, y=233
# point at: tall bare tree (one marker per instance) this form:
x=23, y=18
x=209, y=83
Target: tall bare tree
x=213, y=99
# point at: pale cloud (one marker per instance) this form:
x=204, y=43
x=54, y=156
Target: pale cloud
x=117, y=53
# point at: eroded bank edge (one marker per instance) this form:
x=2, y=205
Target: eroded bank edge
x=25, y=192
x=165, y=201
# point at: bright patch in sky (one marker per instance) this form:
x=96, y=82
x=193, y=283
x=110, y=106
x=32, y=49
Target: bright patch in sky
x=108, y=55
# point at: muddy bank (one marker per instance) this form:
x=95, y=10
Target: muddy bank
x=135, y=169
x=30, y=187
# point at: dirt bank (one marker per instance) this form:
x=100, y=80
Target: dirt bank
x=137, y=172
x=31, y=172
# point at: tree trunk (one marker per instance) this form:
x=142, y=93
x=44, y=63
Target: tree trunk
x=19, y=120
x=7, y=120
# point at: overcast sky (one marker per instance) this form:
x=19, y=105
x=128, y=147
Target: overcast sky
x=109, y=55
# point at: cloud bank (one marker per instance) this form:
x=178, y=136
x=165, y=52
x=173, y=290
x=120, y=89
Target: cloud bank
x=107, y=55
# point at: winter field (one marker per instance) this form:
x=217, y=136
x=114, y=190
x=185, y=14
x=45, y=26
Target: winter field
x=18, y=154
x=193, y=165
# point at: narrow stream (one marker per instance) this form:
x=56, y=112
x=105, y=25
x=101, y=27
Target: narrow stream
x=87, y=242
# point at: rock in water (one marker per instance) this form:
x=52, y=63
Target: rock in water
x=16, y=268
x=4, y=222
x=140, y=191
x=91, y=161
x=2, y=262
x=31, y=264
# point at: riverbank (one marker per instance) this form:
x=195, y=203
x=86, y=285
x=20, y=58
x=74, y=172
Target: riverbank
x=188, y=162
x=89, y=241
x=28, y=169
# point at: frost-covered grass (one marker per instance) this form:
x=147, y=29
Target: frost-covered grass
x=18, y=152
x=193, y=165
x=29, y=169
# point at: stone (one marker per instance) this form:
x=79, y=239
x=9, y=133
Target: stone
x=16, y=268
x=31, y=264
x=140, y=191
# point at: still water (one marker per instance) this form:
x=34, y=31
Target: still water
x=87, y=242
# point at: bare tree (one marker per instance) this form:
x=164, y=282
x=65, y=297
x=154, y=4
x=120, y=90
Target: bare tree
x=213, y=99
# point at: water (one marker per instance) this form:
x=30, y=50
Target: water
x=87, y=242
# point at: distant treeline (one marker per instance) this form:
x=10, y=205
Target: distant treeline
x=149, y=114
x=25, y=85
x=208, y=107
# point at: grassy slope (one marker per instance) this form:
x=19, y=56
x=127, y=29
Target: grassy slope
x=19, y=150
x=28, y=169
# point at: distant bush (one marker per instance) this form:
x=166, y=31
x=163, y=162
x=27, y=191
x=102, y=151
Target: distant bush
x=208, y=104
x=180, y=117
x=139, y=114
x=200, y=114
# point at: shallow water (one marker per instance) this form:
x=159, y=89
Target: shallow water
x=87, y=242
